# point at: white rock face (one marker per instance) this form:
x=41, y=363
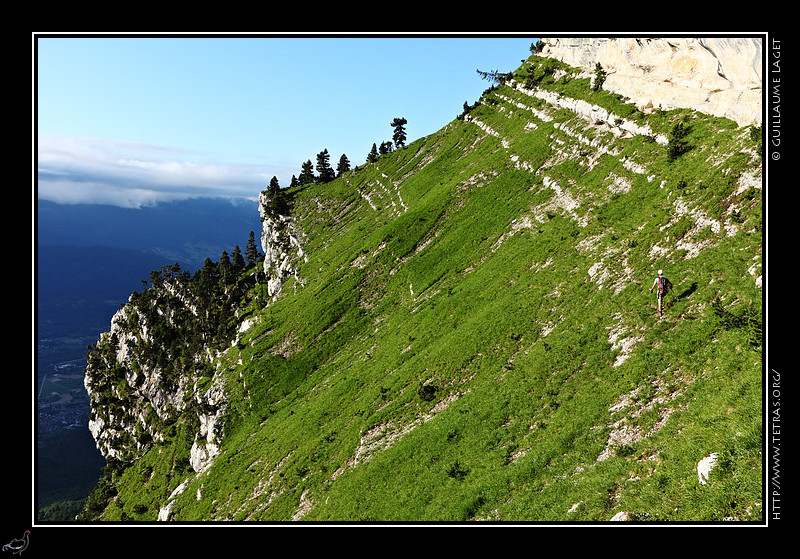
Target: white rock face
x=282, y=246
x=717, y=76
x=146, y=391
x=202, y=455
x=205, y=447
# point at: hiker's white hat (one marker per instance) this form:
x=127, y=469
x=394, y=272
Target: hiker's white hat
x=660, y=272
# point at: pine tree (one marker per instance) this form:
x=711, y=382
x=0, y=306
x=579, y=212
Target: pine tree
x=324, y=168
x=252, y=254
x=495, y=76
x=251, y=251
x=677, y=145
x=306, y=173
x=343, y=166
x=599, y=77
x=206, y=280
x=274, y=186
x=237, y=260
x=372, y=156
x=276, y=203
x=225, y=267
x=207, y=277
x=399, y=136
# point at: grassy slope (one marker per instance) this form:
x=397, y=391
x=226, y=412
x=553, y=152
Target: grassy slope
x=455, y=353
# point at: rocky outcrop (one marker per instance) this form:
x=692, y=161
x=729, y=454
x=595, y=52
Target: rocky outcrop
x=281, y=241
x=206, y=443
x=717, y=76
x=157, y=363
x=128, y=395
x=151, y=368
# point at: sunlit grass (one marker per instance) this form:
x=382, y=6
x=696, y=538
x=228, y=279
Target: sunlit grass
x=451, y=353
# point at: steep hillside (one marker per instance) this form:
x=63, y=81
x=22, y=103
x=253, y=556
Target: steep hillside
x=463, y=331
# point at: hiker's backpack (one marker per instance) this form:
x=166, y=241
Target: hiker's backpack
x=663, y=285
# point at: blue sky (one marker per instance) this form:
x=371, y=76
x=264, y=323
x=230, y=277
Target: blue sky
x=133, y=120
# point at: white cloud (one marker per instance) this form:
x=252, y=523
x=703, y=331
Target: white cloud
x=90, y=170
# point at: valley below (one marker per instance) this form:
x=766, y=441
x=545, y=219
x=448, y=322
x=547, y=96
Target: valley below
x=80, y=285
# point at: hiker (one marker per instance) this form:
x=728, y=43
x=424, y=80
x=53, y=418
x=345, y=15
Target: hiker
x=661, y=285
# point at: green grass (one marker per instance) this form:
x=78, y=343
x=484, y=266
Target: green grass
x=449, y=356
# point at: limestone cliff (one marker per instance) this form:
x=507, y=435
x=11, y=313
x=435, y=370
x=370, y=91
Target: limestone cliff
x=130, y=395
x=157, y=362
x=281, y=241
x=717, y=76
x=153, y=373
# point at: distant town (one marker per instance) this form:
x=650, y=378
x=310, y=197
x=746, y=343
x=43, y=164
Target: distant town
x=62, y=400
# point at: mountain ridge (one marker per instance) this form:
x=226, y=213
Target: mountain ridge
x=464, y=336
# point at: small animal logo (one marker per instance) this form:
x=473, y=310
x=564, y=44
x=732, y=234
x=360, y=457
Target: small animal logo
x=18, y=545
